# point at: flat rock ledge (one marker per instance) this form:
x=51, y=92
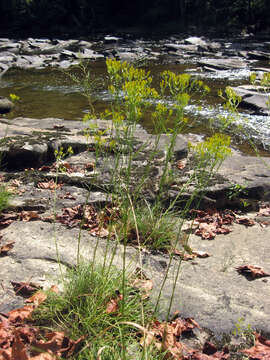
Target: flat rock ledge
x=210, y=290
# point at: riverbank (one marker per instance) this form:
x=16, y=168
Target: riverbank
x=210, y=290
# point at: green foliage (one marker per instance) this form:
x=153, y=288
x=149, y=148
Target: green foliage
x=244, y=331
x=149, y=226
x=82, y=16
x=212, y=152
x=4, y=198
x=81, y=310
x=236, y=190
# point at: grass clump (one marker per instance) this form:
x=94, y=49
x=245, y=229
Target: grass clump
x=149, y=226
x=4, y=198
x=96, y=303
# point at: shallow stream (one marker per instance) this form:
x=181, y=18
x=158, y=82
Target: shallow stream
x=50, y=92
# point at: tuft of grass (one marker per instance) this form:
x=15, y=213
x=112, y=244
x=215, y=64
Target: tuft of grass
x=156, y=227
x=4, y=198
x=81, y=310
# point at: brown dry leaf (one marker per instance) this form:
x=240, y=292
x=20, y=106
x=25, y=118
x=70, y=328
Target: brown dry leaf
x=113, y=305
x=252, y=270
x=49, y=185
x=144, y=285
x=58, y=344
x=4, y=249
x=181, y=164
x=38, y=298
x=54, y=289
x=6, y=336
x=261, y=350
x=43, y=356
x=24, y=288
x=206, y=231
x=211, y=222
x=264, y=211
x=7, y=219
x=29, y=215
x=101, y=232
x=184, y=255
x=67, y=195
x=200, y=254
x=18, y=348
x=89, y=166
x=245, y=221
x=15, y=182
x=46, y=168
x=19, y=315
x=5, y=354
x=190, y=256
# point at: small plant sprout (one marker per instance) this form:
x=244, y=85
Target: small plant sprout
x=237, y=190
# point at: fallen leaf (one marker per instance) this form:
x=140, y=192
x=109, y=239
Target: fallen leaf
x=24, y=288
x=44, y=356
x=49, y=185
x=200, y=254
x=15, y=182
x=54, y=289
x=190, y=255
x=101, y=232
x=58, y=343
x=181, y=164
x=264, y=211
x=245, y=221
x=21, y=314
x=38, y=298
x=29, y=215
x=6, y=354
x=45, y=168
x=67, y=195
x=89, y=166
x=4, y=249
x=252, y=270
x=113, y=305
x=144, y=285
x=54, y=342
x=184, y=255
x=18, y=348
x=206, y=231
x=7, y=219
x=260, y=351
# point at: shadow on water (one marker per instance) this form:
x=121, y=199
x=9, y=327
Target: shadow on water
x=51, y=93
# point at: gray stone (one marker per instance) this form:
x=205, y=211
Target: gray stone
x=223, y=64
x=194, y=40
x=5, y=105
x=254, y=97
x=258, y=55
x=208, y=290
x=176, y=47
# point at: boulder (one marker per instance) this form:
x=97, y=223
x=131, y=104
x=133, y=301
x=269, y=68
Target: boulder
x=5, y=105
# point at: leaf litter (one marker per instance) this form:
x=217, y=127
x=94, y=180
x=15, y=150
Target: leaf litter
x=211, y=222
x=19, y=340
x=178, y=338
